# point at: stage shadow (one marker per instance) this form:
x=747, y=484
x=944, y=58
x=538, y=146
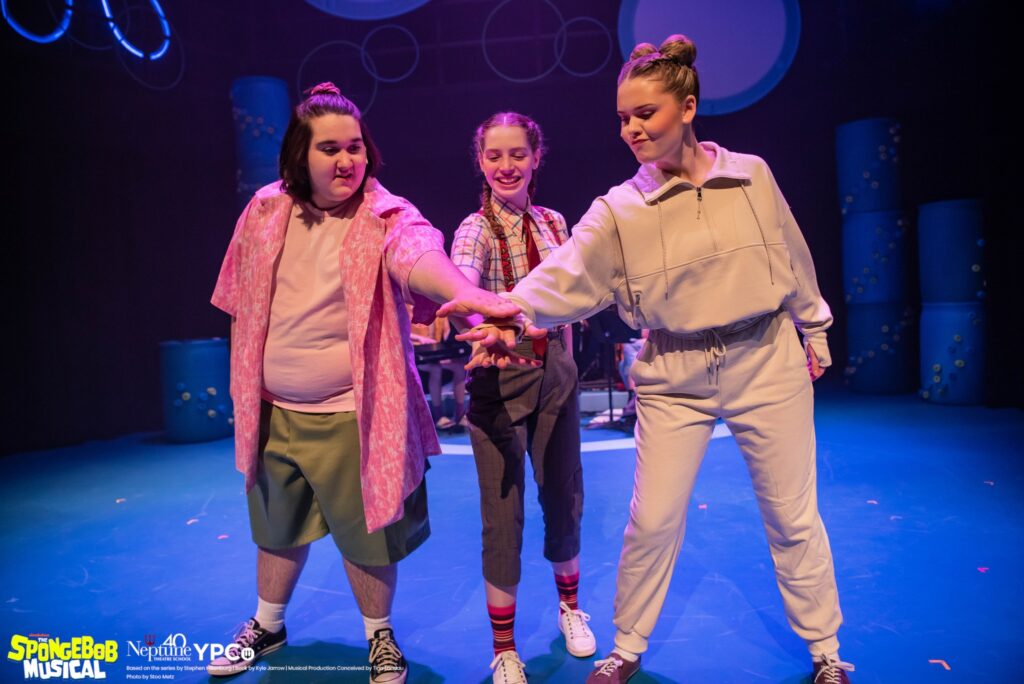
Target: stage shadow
x=322, y=661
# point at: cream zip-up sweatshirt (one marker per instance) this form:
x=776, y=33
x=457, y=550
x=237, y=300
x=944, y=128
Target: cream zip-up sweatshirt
x=691, y=258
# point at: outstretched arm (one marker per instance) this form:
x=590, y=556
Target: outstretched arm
x=414, y=256
x=434, y=276
x=579, y=278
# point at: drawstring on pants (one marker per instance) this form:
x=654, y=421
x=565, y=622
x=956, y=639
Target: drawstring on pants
x=714, y=352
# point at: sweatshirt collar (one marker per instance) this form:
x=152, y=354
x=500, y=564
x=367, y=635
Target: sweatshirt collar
x=651, y=182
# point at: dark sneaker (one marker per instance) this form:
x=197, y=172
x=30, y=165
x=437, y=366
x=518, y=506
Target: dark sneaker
x=613, y=670
x=387, y=664
x=831, y=671
x=250, y=644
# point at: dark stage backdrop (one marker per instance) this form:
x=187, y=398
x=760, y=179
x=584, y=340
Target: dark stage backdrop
x=120, y=191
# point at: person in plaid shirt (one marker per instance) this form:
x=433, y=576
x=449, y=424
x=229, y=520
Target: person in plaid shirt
x=522, y=408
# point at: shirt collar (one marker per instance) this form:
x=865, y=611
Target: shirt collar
x=652, y=182
x=316, y=215
x=508, y=213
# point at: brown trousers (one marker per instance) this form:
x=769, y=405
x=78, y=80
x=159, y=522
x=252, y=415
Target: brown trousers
x=513, y=412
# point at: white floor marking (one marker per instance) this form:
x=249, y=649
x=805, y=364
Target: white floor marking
x=604, y=445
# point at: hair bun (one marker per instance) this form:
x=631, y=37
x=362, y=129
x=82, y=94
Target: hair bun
x=325, y=88
x=679, y=48
x=642, y=49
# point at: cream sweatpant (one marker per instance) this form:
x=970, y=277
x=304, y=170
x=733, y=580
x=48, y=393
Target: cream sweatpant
x=755, y=379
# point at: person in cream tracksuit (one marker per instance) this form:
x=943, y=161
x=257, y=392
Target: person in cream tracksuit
x=701, y=248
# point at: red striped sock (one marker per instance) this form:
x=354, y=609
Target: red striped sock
x=503, y=623
x=568, y=587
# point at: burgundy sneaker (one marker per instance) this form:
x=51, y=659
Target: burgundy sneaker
x=831, y=671
x=613, y=670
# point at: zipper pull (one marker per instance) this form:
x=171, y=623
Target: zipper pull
x=700, y=201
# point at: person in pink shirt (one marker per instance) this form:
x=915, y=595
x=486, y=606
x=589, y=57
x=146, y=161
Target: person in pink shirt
x=332, y=430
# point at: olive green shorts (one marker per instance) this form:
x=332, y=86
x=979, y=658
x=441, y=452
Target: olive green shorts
x=308, y=486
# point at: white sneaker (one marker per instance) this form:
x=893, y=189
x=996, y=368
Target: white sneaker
x=579, y=640
x=508, y=668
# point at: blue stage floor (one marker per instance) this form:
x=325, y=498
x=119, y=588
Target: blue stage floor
x=924, y=505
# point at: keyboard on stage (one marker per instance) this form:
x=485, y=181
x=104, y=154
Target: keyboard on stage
x=442, y=351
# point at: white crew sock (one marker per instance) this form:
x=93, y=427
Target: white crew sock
x=371, y=625
x=270, y=615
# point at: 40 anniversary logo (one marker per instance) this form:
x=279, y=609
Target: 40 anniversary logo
x=175, y=648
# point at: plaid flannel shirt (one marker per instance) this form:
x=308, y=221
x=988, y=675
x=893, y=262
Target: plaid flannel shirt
x=476, y=246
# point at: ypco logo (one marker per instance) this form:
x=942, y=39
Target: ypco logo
x=175, y=648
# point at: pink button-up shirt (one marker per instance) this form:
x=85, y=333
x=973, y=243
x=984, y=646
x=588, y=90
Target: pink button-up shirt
x=386, y=239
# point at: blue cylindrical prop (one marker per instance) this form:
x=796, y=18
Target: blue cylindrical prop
x=867, y=158
x=195, y=382
x=874, y=257
x=951, y=249
x=881, y=340
x=261, y=109
x=953, y=353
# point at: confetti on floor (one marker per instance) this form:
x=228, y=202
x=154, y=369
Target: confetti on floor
x=120, y=500
x=897, y=446
x=942, y=663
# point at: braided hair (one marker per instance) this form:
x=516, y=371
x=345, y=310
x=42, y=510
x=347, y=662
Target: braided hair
x=535, y=138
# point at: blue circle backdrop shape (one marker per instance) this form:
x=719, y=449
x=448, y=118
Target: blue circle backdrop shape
x=751, y=43
x=368, y=62
x=127, y=45
x=364, y=60
x=559, y=46
x=367, y=10
x=562, y=36
x=62, y=25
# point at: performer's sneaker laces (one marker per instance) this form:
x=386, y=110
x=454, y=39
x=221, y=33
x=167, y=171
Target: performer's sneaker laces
x=829, y=671
x=579, y=639
x=387, y=664
x=608, y=666
x=508, y=668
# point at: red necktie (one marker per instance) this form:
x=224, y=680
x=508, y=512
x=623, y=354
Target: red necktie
x=540, y=345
